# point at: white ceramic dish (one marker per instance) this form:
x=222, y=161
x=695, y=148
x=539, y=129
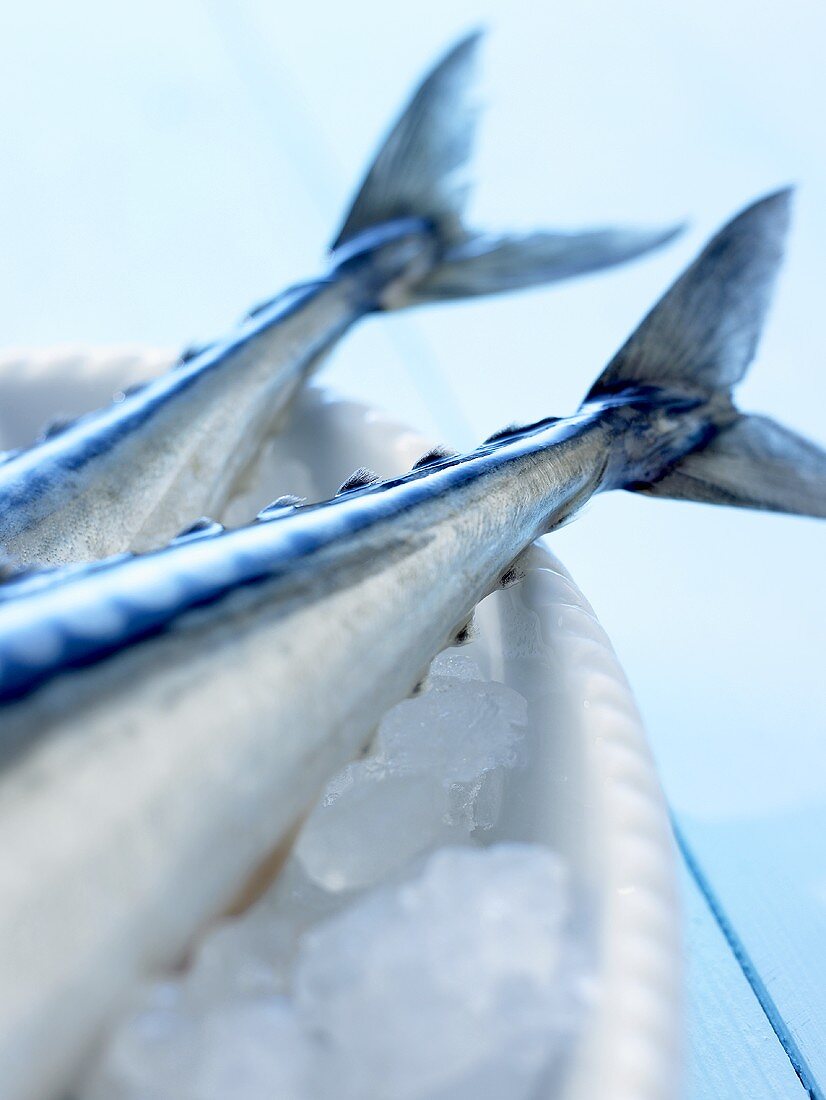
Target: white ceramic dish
x=591, y=791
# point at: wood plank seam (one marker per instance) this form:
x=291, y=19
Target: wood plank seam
x=761, y=992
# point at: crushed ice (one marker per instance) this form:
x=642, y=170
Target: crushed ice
x=396, y=955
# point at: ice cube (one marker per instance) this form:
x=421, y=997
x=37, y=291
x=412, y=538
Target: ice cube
x=476, y=806
x=370, y=823
x=252, y=1050
x=450, y=985
x=250, y=955
x=456, y=734
x=148, y=1054
x=455, y=985
x=253, y=954
x=249, y=1049
x=432, y=781
x=454, y=666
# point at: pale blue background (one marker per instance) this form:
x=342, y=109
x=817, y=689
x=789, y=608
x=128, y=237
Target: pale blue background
x=166, y=165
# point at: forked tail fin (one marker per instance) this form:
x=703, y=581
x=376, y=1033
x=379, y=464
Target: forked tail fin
x=702, y=334
x=698, y=342
x=419, y=173
x=753, y=463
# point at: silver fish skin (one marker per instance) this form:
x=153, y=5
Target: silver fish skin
x=130, y=476
x=167, y=717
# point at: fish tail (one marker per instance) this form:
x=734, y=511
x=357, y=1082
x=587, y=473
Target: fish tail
x=419, y=176
x=694, y=347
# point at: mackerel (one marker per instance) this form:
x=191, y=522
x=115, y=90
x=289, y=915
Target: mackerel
x=131, y=475
x=167, y=717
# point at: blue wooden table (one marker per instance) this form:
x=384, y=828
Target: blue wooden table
x=168, y=165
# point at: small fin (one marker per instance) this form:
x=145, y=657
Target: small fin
x=201, y=528
x=279, y=505
x=503, y=433
x=359, y=479
x=512, y=576
x=136, y=387
x=433, y=457
x=259, y=307
x=55, y=427
x=192, y=351
x=414, y=172
x=519, y=429
x=702, y=335
x=283, y=298
x=481, y=264
x=466, y=632
x=754, y=463
x=419, y=687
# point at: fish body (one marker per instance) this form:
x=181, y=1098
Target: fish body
x=166, y=717
x=130, y=476
x=196, y=745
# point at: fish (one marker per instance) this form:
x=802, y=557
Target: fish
x=130, y=475
x=167, y=717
